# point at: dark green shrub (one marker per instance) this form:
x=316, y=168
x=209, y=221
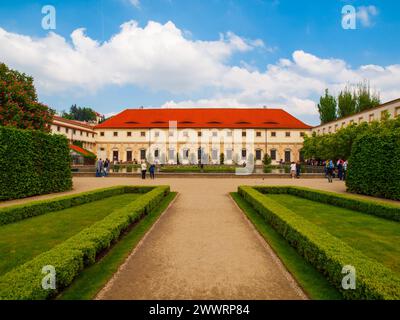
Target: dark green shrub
x=379, y=209
x=19, y=212
x=33, y=163
x=325, y=252
x=70, y=257
x=374, y=165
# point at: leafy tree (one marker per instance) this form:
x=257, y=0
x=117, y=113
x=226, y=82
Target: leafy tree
x=365, y=99
x=347, y=103
x=19, y=106
x=267, y=160
x=327, y=107
x=222, y=158
x=80, y=114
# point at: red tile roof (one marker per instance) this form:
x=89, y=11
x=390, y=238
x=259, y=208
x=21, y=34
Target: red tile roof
x=204, y=118
x=79, y=150
x=74, y=122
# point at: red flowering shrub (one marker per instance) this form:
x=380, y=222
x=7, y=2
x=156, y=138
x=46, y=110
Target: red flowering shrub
x=19, y=106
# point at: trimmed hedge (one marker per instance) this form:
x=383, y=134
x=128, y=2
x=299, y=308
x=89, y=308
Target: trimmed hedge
x=380, y=209
x=325, y=252
x=374, y=165
x=33, y=163
x=70, y=257
x=19, y=212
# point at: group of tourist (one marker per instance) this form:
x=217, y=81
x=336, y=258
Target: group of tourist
x=295, y=170
x=102, y=168
x=338, y=169
x=152, y=170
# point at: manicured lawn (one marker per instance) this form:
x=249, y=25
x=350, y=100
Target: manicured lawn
x=313, y=283
x=23, y=240
x=377, y=238
x=93, y=278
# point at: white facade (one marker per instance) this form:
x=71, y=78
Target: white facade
x=375, y=114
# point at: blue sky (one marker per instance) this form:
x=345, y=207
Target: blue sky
x=279, y=53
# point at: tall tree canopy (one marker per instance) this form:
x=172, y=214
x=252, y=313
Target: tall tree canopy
x=347, y=103
x=327, y=107
x=365, y=98
x=80, y=114
x=19, y=106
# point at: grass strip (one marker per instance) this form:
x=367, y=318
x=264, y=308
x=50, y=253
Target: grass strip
x=93, y=278
x=313, y=283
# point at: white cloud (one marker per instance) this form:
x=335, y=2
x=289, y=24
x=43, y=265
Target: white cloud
x=135, y=3
x=364, y=14
x=158, y=57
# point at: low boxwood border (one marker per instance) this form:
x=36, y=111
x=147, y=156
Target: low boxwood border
x=380, y=209
x=70, y=257
x=325, y=252
x=35, y=208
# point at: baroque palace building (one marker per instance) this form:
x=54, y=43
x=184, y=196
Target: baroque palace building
x=190, y=136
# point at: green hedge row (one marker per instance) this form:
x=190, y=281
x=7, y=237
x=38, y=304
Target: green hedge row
x=70, y=257
x=374, y=165
x=325, y=252
x=32, y=163
x=380, y=209
x=19, y=212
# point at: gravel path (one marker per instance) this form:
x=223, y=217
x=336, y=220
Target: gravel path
x=202, y=248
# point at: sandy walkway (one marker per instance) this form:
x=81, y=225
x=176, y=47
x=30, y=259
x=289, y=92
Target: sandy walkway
x=202, y=248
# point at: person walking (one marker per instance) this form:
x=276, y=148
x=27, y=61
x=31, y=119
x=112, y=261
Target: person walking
x=99, y=168
x=106, y=167
x=330, y=170
x=340, y=169
x=298, y=169
x=152, y=171
x=293, y=169
x=143, y=167
x=344, y=170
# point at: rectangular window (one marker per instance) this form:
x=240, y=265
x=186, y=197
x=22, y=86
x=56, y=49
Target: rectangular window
x=129, y=134
x=258, y=154
x=243, y=133
x=81, y=133
x=115, y=134
x=74, y=131
x=371, y=117
x=244, y=153
x=129, y=156
x=273, y=134
x=143, y=134
x=258, y=134
x=287, y=156
x=156, y=153
x=214, y=154
x=199, y=134
x=115, y=155
x=171, y=154
x=287, y=134
x=228, y=154
x=87, y=134
x=273, y=154
x=101, y=134
x=215, y=134
x=302, y=134
x=142, y=154
x=66, y=130
x=58, y=128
